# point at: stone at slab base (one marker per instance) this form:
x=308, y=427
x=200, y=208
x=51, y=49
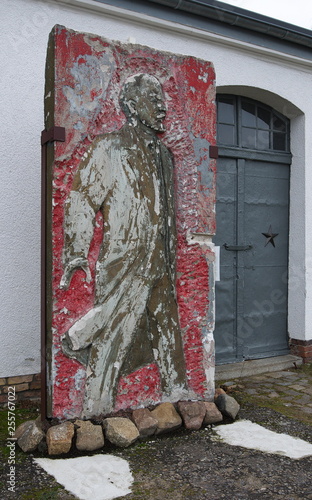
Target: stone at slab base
x=213, y=415
x=21, y=429
x=167, y=417
x=89, y=436
x=59, y=438
x=146, y=424
x=30, y=436
x=227, y=405
x=120, y=431
x=219, y=391
x=193, y=413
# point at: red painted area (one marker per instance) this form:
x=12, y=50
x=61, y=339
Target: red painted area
x=190, y=128
x=141, y=387
x=193, y=300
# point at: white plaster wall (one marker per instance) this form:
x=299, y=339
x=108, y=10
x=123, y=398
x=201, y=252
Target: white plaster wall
x=308, y=242
x=25, y=26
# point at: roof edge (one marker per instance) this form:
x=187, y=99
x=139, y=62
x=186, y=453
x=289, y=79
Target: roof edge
x=242, y=18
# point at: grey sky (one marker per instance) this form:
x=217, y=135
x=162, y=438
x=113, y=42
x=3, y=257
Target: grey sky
x=298, y=12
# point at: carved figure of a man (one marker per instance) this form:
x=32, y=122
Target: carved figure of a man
x=128, y=176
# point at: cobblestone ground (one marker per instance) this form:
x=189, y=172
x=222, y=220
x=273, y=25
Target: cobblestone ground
x=193, y=465
x=287, y=391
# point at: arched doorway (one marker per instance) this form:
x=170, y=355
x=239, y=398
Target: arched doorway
x=252, y=230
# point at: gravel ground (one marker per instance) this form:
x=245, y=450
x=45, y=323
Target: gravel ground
x=195, y=465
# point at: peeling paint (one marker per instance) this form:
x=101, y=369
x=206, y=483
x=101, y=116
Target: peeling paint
x=188, y=86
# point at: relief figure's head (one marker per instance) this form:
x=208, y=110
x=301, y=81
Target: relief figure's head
x=142, y=101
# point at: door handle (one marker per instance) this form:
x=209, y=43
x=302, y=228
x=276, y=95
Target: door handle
x=237, y=248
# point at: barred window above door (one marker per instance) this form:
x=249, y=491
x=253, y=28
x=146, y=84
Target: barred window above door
x=245, y=123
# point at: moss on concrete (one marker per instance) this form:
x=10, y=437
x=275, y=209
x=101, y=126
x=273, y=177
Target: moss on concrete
x=279, y=403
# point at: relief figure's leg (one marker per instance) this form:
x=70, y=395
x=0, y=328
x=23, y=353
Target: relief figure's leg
x=166, y=337
x=110, y=348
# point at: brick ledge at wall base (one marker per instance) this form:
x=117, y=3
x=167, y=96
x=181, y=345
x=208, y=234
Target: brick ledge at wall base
x=302, y=348
x=26, y=388
x=123, y=431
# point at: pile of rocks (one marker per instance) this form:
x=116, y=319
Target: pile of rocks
x=120, y=431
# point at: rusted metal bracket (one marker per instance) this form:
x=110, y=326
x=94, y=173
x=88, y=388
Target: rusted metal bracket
x=51, y=135
x=213, y=152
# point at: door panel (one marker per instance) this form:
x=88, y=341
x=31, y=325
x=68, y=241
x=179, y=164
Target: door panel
x=226, y=288
x=251, y=297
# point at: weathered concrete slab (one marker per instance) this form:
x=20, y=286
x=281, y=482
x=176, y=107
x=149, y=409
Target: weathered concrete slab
x=131, y=185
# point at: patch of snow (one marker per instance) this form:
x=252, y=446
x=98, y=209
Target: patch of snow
x=250, y=435
x=100, y=477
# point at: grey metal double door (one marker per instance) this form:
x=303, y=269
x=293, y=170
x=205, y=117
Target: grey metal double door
x=252, y=233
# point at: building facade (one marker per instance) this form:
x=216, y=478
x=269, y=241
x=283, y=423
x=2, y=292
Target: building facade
x=263, y=79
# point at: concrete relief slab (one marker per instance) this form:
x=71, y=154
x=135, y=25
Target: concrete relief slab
x=130, y=209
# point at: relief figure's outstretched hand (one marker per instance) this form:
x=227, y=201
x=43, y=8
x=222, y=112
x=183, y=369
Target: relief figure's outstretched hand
x=71, y=267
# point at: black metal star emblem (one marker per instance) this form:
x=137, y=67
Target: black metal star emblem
x=270, y=237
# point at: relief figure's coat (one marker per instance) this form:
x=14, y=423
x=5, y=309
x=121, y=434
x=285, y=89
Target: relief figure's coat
x=128, y=176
